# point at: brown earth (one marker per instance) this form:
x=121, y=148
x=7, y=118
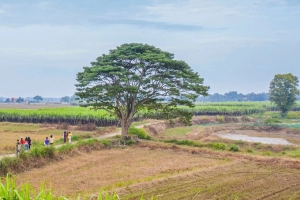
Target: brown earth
x=171, y=172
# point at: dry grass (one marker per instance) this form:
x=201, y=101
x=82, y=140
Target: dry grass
x=171, y=172
x=10, y=132
x=115, y=168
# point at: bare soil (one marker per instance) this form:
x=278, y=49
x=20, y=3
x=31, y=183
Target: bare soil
x=171, y=172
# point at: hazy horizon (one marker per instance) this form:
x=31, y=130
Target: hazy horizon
x=234, y=45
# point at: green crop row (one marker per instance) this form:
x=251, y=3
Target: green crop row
x=75, y=115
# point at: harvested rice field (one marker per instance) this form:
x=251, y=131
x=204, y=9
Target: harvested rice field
x=170, y=172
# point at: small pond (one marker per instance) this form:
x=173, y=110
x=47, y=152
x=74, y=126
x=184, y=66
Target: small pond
x=264, y=140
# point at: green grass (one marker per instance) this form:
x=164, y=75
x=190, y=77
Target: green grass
x=179, y=131
x=293, y=153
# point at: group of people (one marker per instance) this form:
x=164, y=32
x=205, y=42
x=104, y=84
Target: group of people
x=23, y=144
x=49, y=141
x=67, y=136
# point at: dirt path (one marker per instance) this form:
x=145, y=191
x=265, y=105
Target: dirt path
x=109, y=135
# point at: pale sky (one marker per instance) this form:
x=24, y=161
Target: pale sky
x=235, y=45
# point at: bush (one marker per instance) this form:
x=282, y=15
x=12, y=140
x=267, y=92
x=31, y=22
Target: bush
x=141, y=133
x=220, y=119
x=234, y=148
x=271, y=121
x=87, y=142
x=65, y=148
x=220, y=146
x=6, y=163
x=266, y=153
x=249, y=150
x=42, y=151
x=76, y=137
x=106, y=143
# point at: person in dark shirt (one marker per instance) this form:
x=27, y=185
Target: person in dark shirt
x=29, y=142
x=17, y=148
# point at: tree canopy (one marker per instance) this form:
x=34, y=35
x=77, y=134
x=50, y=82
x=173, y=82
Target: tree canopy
x=38, y=98
x=65, y=99
x=136, y=77
x=283, y=91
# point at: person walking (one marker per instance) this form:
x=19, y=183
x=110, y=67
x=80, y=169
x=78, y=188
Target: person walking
x=51, y=140
x=69, y=136
x=29, y=142
x=65, y=136
x=46, y=142
x=26, y=144
x=17, y=148
x=22, y=142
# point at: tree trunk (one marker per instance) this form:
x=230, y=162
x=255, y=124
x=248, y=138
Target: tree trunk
x=125, y=124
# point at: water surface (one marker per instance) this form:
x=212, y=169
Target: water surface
x=264, y=140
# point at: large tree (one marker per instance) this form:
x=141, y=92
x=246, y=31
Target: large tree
x=38, y=98
x=283, y=91
x=136, y=77
x=65, y=99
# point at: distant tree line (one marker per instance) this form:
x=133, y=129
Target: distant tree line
x=234, y=96
x=230, y=96
x=37, y=99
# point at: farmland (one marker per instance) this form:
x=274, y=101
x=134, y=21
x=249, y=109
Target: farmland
x=74, y=115
x=180, y=162
x=153, y=169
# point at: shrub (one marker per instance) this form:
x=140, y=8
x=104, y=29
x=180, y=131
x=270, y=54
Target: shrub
x=76, y=137
x=234, y=148
x=220, y=119
x=141, y=133
x=220, y=146
x=249, y=150
x=266, y=153
x=271, y=121
x=106, y=142
x=42, y=151
x=87, y=142
x=23, y=155
x=65, y=148
x=6, y=163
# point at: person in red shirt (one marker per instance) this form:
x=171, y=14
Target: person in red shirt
x=22, y=142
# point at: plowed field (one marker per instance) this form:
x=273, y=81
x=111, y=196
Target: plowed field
x=171, y=173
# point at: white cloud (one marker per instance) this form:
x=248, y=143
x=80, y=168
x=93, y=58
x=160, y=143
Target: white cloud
x=209, y=13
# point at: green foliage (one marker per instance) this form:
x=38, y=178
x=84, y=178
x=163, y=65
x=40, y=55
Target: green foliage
x=219, y=146
x=283, y=91
x=141, y=133
x=6, y=163
x=182, y=142
x=135, y=77
x=106, y=142
x=293, y=115
x=66, y=148
x=234, y=148
x=249, y=150
x=271, y=121
x=89, y=142
x=76, y=137
x=38, y=98
x=266, y=153
x=42, y=151
x=220, y=119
